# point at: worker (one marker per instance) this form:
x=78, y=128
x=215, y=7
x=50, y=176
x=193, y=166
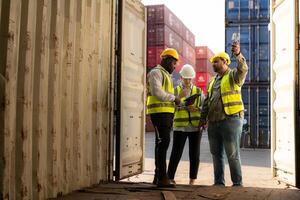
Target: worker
x=223, y=109
x=186, y=125
x=161, y=106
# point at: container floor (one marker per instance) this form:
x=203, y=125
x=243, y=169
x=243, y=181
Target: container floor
x=257, y=178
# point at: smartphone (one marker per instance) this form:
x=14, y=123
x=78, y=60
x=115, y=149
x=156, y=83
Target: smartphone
x=235, y=38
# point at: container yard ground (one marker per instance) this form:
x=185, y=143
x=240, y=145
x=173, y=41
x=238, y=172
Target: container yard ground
x=258, y=182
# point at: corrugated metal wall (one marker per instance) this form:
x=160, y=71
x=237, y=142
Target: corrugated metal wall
x=56, y=63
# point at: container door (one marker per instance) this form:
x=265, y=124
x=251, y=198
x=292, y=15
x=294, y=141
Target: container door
x=130, y=122
x=284, y=92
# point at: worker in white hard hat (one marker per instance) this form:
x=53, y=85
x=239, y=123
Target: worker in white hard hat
x=223, y=109
x=186, y=125
x=161, y=102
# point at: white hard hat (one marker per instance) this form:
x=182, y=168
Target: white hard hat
x=187, y=71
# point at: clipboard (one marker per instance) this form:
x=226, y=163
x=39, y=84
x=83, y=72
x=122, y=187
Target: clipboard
x=190, y=100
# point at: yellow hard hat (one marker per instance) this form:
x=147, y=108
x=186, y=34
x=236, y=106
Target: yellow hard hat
x=170, y=52
x=223, y=55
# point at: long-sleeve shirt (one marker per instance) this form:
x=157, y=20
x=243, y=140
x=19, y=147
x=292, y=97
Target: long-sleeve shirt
x=155, y=81
x=213, y=109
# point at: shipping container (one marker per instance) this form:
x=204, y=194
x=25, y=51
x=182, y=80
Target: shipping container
x=62, y=88
x=256, y=99
x=204, y=65
x=161, y=34
x=160, y=14
x=285, y=91
x=176, y=78
x=202, y=79
x=188, y=52
x=188, y=36
x=203, y=52
x=255, y=46
x=153, y=58
x=153, y=55
x=246, y=10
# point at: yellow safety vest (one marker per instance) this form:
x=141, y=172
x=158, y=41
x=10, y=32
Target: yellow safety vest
x=230, y=94
x=182, y=116
x=155, y=105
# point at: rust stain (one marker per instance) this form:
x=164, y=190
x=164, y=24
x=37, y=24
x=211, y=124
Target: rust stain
x=43, y=43
x=4, y=161
x=54, y=155
x=23, y=134
x=80, y=54
x=6, y=132
x=27, y=69
x=28, y=41
x=69, y=45
x=24, y=191
x=7, y=75
x=95, y=106
x=39, y=187
x=90, y=58
x=55, y=40
x=88, y=168
x=11, y=36
x=56, y=56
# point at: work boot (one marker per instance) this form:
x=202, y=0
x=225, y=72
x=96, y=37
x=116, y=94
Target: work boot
x=172, y=181
x=192, y=181
x=165, y=183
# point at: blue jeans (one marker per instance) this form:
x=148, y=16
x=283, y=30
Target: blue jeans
x=226, y=134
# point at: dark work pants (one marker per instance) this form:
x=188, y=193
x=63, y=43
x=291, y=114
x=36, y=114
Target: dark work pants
x=179, y=139
x=162, y=123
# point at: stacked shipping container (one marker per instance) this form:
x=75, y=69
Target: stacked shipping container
x=250, y=19
x=256, y=98
x=164, y=29
x=203, y=68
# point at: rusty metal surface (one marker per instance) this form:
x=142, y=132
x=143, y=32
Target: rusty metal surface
x=56, y=62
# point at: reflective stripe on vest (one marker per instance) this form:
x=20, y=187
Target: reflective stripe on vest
x=182, y=116
x=230, y=94
x=155, y=105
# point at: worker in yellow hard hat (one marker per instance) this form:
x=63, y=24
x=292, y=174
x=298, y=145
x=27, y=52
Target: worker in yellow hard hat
x=161, y=106
x=223, y=109
x=186, y=125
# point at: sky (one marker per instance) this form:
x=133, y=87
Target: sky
x=205, y=18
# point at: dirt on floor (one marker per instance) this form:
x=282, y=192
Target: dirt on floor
x=146, y=191
x=257, y=179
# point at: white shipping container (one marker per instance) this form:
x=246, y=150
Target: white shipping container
x=57, y=102
x=285, y=91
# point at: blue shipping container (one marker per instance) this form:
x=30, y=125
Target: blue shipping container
x=246, y=10
x=256, y=100
x=255, y=46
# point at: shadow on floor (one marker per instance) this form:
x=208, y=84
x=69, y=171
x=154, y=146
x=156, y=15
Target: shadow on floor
x=110, y=191
x=249, y=157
